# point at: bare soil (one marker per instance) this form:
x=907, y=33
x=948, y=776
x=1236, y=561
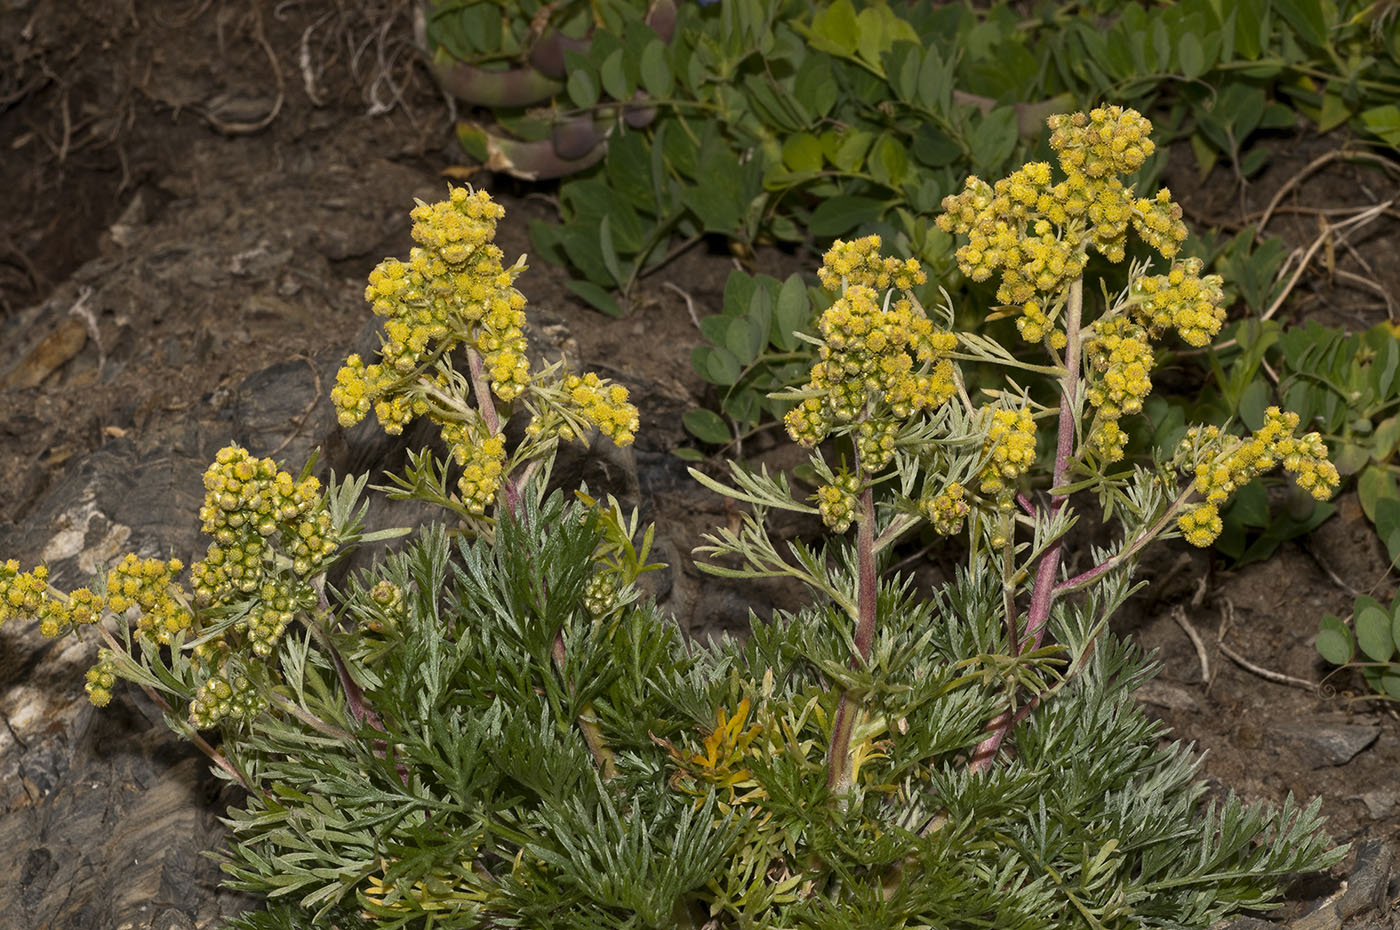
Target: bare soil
x=196, y=192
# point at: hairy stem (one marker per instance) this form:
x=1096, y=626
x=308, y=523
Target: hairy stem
x=1043, y=595
x=838, y=772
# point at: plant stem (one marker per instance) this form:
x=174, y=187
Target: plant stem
x=838, y=772
x=1043, y=594
x=185, y=730
x=1127, y=552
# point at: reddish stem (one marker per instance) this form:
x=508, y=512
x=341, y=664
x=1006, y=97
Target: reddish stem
x=1043, y=594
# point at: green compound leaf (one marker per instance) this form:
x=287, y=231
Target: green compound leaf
x=835, y=29
x=1395, y=620
x=596, y=297
x=1373, y=630
x=994, y=139
x=615, y=76
x=707, y=426
x=1388, y=526
x=1386, y=439
x=813, y=87
x=791, y=313
x=716, y=365
x=889, y=161
x=839, y=215
x=1192, y=56
x=744, y=338
x=656, y=70
x=1307, y=17
x=1374, y=484
x=1254, y=401
x=802, y=152
x=1384, y=121
x=1334, y=642
x=583, y=90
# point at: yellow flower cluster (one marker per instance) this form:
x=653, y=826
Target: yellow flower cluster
x=453, y=290
x=150, y=586
x=860, y=262
x=1182, y=300
x=837, y=502
x=1200, y=525
x=1121, y=358
x=1223, y=473
x=868, y=357
x=604, y=404
x=946, y=510
x=360, y=388
x=1010, y=447
x=1157, y=221
x=1036, y=233
x=247, y=501
x=1109, y=141
x=227, y=694
x=483, y=461
x=101, y=678
x=1019, y=229
x=27, y=594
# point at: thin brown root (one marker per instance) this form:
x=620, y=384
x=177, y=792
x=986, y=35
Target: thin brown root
x=1179, y=615
x=1227, y=617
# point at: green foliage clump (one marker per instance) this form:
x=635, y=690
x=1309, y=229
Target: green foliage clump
x=494, y=727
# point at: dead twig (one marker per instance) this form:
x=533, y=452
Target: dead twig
x=1179, y=615
x=1356, y=221
x=1311, y=168
x=1227, y=618
x=689, y=301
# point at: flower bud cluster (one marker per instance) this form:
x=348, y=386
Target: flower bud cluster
x=228, y=694
x=1120, y=361
x=891, y=360
x=150, y=586
x=101, y=678
x=859, y=262
x=875, y=444
x=1221, y=473
x=483, y=461
x=837, y=502
x=248, y=506
x=452, y=291
x=1036, y=233
x=1182, y=300
x=600, y=593
x=1010, y=448
x=27, y=594
x=279, y=598
x=946, y=510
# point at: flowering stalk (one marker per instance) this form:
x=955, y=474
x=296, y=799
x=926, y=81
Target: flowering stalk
x=1043, y=595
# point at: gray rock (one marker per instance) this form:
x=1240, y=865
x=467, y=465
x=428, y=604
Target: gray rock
x=1325, y=742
